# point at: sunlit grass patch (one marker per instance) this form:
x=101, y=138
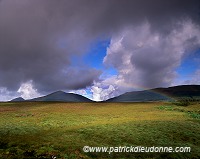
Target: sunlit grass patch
x=191, y=111
x=194, y=115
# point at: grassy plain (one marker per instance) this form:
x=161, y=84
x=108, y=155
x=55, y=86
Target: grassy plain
x=45, y=130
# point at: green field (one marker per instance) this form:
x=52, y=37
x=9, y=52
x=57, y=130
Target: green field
x=45, y=130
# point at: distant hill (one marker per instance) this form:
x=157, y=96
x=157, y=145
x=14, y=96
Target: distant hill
x=61, y=96
x=159, y=94
x=156, y=94
x=191, y=91
x=139, y=96
x=19, y=99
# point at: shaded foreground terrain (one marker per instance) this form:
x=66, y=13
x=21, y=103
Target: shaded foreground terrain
x=45, y=130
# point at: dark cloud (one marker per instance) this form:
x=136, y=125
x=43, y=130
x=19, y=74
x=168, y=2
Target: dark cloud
x=38, y=38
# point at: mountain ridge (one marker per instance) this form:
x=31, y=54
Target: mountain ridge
x=60, y=96
x=154, y=94
x=159, y=94
x=18, y=99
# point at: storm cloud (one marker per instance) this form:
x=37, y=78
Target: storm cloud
x=147, y=60
x=39, y=38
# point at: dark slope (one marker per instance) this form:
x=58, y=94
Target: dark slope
x=19, y=99
x=60, y=96
x=180, y=91
x=159, y=94
x=139, y=96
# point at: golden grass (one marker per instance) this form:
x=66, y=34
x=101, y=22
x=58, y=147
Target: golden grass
x=69, y=126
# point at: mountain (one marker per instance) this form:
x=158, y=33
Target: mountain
x=191, y=91
x=159, y=94
x=19, y=99
x=139, y=96
x=61, y=96
x=156, y=94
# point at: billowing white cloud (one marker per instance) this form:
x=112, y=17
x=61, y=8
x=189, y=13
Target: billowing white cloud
x=27, y=90
x=146, y=59
x=80, y=91
x=108, y=88
x=100, y=94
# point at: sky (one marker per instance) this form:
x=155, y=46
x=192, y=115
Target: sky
x=99, y=49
